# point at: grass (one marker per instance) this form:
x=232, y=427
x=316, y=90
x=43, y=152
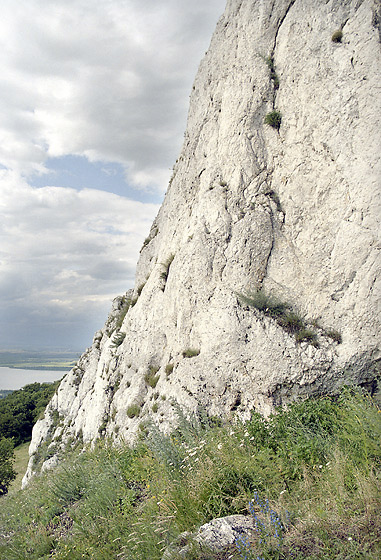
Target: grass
x=273, y=75
x=190, y=353
x=273, y=119
x=133, y=410
x=308, y=475
x=337, y=36
x=288, y=319
x=151, y=378
x=117, y=339
x=20, y=465
x=169, y=368
x=281, y=312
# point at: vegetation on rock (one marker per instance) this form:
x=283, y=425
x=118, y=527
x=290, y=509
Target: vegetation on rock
x=315, y=465
x=337, y=36
x=288, y=319
x=274, y=119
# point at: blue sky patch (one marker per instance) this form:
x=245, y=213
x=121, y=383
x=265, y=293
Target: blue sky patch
x=77, y=172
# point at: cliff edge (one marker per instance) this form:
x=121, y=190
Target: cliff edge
x=259, y=281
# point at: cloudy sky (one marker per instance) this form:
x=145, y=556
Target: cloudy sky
x=93, y=105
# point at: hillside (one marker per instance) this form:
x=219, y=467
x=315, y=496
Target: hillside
x=303, y=484
x=259, y=282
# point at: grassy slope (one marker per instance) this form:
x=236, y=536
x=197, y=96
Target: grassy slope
x=317, y=464
x=21, y=463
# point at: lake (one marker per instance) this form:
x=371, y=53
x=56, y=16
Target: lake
x=12, y=378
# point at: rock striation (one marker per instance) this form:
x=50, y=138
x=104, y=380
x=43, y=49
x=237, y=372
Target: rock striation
x=291, y=209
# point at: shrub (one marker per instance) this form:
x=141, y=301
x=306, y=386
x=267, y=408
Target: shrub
x=190, y=353
x=306, y=335
x=155, y=407
x=335, y=335
x=151, y=378
x=133, y=410
x=337, y=36
x=266, y=303
x=273, y=119
x=118, y=339
x=169, y=368
x=273, y=75
x=7, y=458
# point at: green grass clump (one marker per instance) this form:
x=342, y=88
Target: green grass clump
x=313, y=468
x=282, y=313
x=274, y=119
x=335, y=335
x=151, y=378
x=273, y=75
x=133, y=410
x=117, y=339
x=169, y=368
x=125, y=306
x=337, y=36
x=306, y=335
x=190, y=353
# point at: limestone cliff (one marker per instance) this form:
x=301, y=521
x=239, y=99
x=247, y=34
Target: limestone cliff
x=291, y=209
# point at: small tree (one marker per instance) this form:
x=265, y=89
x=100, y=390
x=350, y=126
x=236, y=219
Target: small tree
x=7, y=458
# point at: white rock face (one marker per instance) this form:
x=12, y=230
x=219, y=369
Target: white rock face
x=294, y=211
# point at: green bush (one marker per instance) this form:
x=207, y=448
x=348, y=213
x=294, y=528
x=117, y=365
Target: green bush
x=337, y=36
x=133, y=410
x=169, y=368
x=151, y=378
x=274, y=119
x=7, y=459
x=335, y=335
x=20, y=410
x=313, y=468
x=190, y=353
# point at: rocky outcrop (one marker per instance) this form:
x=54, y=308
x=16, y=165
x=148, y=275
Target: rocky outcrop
x=290, y=209
x=219, y=536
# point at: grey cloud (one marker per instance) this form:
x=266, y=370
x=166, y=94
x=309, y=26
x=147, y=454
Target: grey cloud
x=106, y=79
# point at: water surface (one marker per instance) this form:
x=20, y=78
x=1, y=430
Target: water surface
x=12, y=378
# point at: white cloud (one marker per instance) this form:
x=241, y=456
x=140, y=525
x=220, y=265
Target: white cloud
x=108, y=80
x=64, y=254
x=105, y=79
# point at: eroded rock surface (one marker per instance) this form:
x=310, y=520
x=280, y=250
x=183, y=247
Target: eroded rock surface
x=294, y=211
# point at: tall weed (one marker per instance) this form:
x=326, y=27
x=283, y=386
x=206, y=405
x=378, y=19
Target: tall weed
x=309, y=473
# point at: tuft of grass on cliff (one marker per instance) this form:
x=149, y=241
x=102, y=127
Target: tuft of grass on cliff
x=316, y=464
